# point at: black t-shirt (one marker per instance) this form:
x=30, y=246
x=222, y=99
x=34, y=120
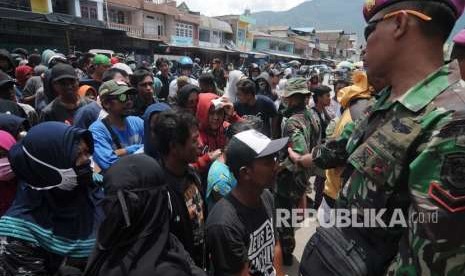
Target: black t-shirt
x=264, y=108
x=165, y=89
x=56, y=111
x=187, y=216
x=237, y=234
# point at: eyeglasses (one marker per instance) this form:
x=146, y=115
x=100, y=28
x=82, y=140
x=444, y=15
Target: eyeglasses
x=123, y=98
x=372, y=24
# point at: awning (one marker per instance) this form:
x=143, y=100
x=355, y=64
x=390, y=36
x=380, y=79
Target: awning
x=53, y=18
x=203, y=48
x=283, y=55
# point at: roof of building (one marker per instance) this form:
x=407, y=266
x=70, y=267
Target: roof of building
x=215, y=24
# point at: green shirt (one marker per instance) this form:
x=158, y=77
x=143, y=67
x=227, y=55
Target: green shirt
x=409, y=155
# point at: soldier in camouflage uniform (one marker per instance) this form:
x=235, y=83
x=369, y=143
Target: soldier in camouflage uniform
x=407, y=153
x=303, y=130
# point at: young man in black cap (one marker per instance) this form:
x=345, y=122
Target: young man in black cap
x=64, y=84
x=241, y=230
x=8, y=97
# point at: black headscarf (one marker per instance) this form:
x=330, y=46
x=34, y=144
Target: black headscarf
x=184, y=93
x=134, y=238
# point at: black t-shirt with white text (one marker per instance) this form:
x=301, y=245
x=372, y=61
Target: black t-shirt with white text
x=237, y=234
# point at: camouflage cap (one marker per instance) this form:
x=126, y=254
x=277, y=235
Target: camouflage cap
x=296, y=86
x=115, y=88
x=371, y=7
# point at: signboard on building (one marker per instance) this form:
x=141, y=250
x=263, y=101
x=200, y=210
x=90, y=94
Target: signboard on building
x=41, y=6
x=181, y=41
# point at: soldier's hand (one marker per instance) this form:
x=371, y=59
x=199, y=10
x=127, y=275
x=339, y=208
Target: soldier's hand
x=300, y=160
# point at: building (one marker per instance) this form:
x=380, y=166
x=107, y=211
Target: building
x=341, y=45
x=273, y=45
x=242, y=26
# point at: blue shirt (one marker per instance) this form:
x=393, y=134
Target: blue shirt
x=221, y=180
x=104, y=148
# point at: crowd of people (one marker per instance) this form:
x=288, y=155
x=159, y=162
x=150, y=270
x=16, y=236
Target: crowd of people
x=109, y=168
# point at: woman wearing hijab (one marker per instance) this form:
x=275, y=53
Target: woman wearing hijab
x=87, y=91
x=134, y=238
x=188, y=98
x=149, y=121
x=7, y=177
x=231, y=90
x=16, y=126
x=54, y=217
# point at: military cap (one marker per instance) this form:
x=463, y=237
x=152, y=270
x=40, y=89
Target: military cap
x=371, y=7
x=321, y=90
x=115, y=88
x=296, y=86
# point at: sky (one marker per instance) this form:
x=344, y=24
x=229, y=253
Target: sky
x=223, y=7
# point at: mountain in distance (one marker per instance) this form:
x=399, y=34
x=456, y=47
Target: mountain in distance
x=325, y=15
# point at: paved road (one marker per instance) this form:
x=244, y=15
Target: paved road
x=301, y=238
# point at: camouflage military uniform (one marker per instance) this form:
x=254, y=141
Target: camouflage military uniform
x=303, y=130
x=409, y=154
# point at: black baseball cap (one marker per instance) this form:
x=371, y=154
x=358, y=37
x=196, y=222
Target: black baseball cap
x=63, y=71
x=249, y=145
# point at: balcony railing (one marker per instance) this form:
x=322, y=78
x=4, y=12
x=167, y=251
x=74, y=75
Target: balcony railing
x=129, y=29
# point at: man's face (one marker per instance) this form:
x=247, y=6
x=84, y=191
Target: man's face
x=145, y=88
x=186, y=72
x=275, y=79
x=255, y=73
x=67, y=89
x=293, y=101
x=216, y=65
x=262, y=84
x=164, y=69
x=100, y=69
x=379, y=47
x=244, y=98
x=119, y=105
x=325, y=99
x=189, y=152
x=215, y=118
x=263, y=171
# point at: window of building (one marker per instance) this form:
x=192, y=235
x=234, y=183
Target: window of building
x=241, y=34
x=89, y=10
x=204, y=35
x=184, y=30
x=118, y=16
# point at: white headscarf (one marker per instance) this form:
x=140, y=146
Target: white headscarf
x=231, y=90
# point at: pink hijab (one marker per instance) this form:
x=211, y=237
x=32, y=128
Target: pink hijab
x=6, y=140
